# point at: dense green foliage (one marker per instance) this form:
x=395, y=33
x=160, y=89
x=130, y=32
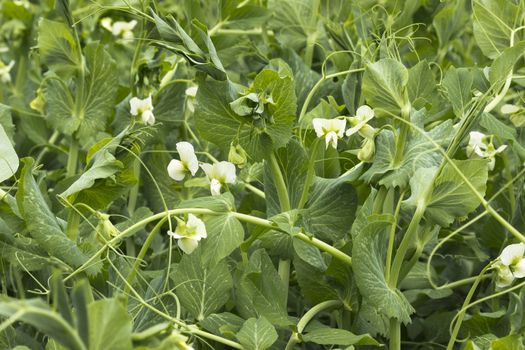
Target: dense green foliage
x=262, y=174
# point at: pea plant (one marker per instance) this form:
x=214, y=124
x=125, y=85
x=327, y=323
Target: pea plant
x=262, y=174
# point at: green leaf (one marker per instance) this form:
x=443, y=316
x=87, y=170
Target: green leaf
x=504, y=63
x=109, y=325
x=225, y=234
x=333, y=336
x=293, y=162
x=368, y=258
x=6, y=121
x=493, y=21
x=170, y=101
x=8, y=157
x=295, y=22
x=458, y=85
x=257, y=334
x=384, y=86
x=419, y=152
x=449, y=21
x=226, y=324
x=103, y=164
x=421, y=85
x=58, y=47
x=43, y=225
x=258, y=135
x=330, y=209
x=89, y=114
x=202, y=289
x=38, y=314
x=450, y=197
x=261, y=292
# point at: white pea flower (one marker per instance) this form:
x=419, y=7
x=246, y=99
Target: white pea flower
x=144, y=108
x=511, y=264
x=330, y=129
x=5, y=76
x=360, y=122
x=482, y=146
x=188, y=162
x=192, y=91
x=119, y=28
x=189, y=233
x=509, y=109
x=219, y=174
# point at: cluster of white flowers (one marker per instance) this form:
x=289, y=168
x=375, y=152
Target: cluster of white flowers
x=5, y=69
x=142, y=108
x=481, y=145
x=189, y=233
x=510, y=265
x=334, y=129
x=119, y=29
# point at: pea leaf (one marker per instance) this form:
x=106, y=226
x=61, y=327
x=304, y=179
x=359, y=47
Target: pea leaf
x=225, y=234
x=218, y=123
x=261, y=292
x=384, y=86
x=333, y=336
x=8, y=157
x=330, y=209
x=419, y=152
x=57, y=46
x=109, y=325
x=451, y=197
x=458, y=84
x=38, y=314
x=368, y=257
x=89, y=114
x=493, y=21
x=43, y=225
x=257, y=334
x=202, y=289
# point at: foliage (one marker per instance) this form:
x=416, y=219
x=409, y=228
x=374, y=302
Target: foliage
x=262, y=174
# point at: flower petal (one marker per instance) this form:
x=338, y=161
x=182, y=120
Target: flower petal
x=135, y=104
x=331, y=139
x=208, y=170
x=519, y=269
x=199, y=226
x=174, y=235
x=364, y=113
x=226, y=172
x=188, y=245
x=188, y=157
x=176, y=170
x=215, y=187
x=512, y=254
x=148, y=117
x=319, y=125
x=339, y=126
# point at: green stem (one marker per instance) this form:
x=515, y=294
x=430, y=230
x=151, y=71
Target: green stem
x=402, y=137
x=284, y=273
x=316, y=87
x=134, y=192
x=336, y=253
x=72, y=159
x=284, y=200
x=395, y=335
x=392, y=239
x=408, y=239
x=73, y=221
x=325, y=247
x=280, y=184
x=309, y=175
x=463, y=310
x=142, y=253
x=307, y=317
